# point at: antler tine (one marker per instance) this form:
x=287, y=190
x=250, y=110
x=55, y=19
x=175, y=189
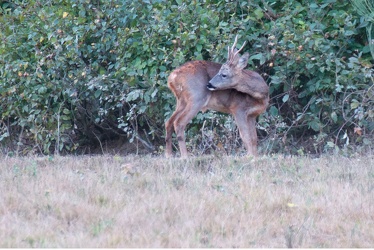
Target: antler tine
x=228, y=53
x=231, y=54
x=240, y=48
x=233, y=46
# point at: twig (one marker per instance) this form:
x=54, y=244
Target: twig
x=101, y=146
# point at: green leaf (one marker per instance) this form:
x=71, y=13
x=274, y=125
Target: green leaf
x=349, y=33
x=133, y=95
x=273, y=111
x=276, y=79
x=285, y=98
x=259, y=13
x=66, y=111
x=334, y=116
x=259, y=56
x=65, y=118
x=199, y=47
x=315, y=125
x=97, y=93
x=355, y=104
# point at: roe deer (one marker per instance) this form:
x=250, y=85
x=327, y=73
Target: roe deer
x=228, y=88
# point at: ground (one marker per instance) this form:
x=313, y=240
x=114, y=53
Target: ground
x=209, y=201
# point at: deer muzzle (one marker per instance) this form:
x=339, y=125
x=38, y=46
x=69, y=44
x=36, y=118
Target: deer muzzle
x=210, y=86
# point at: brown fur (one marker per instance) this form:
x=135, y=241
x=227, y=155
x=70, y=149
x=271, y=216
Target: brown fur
x=245, y=98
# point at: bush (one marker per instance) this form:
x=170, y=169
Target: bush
x=79, y=72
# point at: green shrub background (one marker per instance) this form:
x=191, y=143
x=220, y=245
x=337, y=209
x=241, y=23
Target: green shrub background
x=79, y=72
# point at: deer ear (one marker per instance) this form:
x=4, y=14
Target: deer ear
x=243, y=61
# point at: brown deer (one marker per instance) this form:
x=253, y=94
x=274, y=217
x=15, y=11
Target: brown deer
x=228, y=88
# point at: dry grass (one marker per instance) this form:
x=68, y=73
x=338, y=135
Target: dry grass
x=111, y=201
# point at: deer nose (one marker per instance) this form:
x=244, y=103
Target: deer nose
x=210, y=86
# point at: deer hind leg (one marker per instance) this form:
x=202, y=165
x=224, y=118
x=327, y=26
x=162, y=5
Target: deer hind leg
x=169, y=127
x=180, y=124
x=247, y=130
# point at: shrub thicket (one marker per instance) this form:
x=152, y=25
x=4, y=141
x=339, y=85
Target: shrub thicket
x=78, y=72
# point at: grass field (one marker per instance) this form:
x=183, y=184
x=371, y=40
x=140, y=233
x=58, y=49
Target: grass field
x=144, y=201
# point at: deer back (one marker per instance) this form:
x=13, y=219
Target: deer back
x=191, y=78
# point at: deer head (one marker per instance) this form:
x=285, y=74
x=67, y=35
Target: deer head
x=230, y=74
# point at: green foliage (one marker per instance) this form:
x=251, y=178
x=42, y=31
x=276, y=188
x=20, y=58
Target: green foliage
x=365, y=8
x=77, y=72
x=318, y=67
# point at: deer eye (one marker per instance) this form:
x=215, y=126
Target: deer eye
x=224, y=75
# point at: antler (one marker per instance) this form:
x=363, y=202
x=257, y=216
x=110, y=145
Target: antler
x=231, y=54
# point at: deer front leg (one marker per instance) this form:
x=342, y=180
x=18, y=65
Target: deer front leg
x=252, y=142
x=247, y=130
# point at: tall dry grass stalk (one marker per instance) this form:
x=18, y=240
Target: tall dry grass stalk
x=111, y=201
